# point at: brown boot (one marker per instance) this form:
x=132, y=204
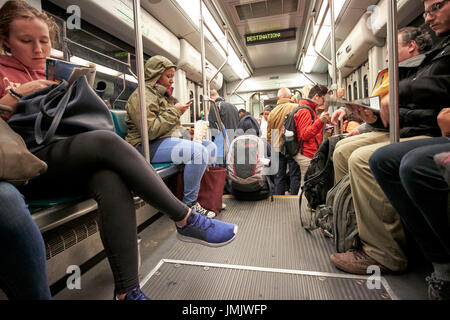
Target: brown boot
x=355, y=261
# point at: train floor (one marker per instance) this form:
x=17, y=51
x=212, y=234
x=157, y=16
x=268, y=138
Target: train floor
x=272, y=258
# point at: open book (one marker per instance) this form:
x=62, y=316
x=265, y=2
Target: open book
x=371, y=103
x=58, y=70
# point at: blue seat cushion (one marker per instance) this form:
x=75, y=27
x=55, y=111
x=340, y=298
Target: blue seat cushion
x=119, y=122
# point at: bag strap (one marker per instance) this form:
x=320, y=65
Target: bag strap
x=269, y=184
x=312, y=122
x=60, y=109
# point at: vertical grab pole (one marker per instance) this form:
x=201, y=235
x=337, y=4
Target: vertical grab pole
x=392, y=35
x=141, y=79
x=202, y=39
x=333, y=56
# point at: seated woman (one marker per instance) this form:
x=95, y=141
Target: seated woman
x=165, y=131
x=414, y=185
x=97, y=162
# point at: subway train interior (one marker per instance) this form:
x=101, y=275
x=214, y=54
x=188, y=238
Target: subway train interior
x=246, y=50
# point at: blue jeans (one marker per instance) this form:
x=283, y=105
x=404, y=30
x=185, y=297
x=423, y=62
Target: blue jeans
x=294, y=176
x=413, y=184
x=23, y=264
x=195, y=156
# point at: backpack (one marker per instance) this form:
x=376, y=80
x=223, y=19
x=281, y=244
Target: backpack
x=337, y=218
x=245, y=164
x=319, y=177
x=291, y=146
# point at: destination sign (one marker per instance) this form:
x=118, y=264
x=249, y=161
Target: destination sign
x=269, y=36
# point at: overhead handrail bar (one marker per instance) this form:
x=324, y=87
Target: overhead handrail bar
x=141, y=78
x=392, y=36
x=317, y=35
x=217, y=40
x=308, y=25
x=223, y=64
x=203, y=61
x=240, y=82
x=97, y=52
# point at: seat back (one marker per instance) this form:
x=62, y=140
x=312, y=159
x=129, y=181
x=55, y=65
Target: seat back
x=119, y=122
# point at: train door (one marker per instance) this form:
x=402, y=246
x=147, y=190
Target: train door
x=192, y=95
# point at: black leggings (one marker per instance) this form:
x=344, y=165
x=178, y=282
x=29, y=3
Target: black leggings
x=108, y=168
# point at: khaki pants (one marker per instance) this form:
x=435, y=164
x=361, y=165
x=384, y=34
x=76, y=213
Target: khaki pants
x=379, y=226
x=303, y=163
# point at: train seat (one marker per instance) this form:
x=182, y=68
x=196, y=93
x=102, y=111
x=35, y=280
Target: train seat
x=119, y=122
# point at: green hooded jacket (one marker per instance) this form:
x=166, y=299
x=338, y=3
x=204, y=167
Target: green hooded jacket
x=163, y=118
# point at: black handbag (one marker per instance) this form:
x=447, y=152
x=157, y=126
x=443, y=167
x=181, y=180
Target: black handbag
x=58, y=112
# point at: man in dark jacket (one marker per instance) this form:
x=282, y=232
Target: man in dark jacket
x=228, y=113
x=422, y=95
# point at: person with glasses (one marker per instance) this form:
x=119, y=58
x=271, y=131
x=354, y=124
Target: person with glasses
x=422, y=95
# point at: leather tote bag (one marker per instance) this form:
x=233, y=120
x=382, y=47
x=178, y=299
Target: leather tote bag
x=211, y=188
x=17, y=164
x=58, y=112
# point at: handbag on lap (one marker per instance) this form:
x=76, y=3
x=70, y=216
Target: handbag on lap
x=58, y=112
x=17, y=164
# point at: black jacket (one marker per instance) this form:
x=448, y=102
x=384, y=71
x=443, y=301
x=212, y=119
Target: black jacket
x=228, y=114
x=424, y=92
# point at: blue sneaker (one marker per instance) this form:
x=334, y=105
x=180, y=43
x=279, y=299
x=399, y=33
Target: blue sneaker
x=134, y=294
x=206, y=231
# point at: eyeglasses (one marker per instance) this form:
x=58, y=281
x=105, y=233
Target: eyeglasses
x=434, y=8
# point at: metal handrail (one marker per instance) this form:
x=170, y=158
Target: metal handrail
x=223, y=64
x=141, y=78
x=392, y=35
x=317, y=35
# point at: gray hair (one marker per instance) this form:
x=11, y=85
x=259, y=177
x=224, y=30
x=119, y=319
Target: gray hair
x=284, y=93
x=421, y=37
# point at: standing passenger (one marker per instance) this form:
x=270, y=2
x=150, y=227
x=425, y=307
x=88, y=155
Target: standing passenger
x=264, y=119
x=275, y=125
x=310, y=130
x=99, y=163
x=228, y=113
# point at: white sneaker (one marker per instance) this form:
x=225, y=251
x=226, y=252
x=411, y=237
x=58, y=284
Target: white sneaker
x=223, y=206
x=207, y=213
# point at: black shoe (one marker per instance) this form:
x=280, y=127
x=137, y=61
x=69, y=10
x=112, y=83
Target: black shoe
x=438, y=289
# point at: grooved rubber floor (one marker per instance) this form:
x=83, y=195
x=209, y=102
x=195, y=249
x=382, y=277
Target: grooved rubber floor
x=272, y=257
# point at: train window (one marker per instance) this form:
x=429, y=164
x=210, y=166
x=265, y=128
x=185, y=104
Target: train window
x=192, y=110
x=366, y=86
x=201, y=108
x=355, y=90
x=349, y=92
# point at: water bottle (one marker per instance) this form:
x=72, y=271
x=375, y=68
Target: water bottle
x=289, y=135
x=200, y=129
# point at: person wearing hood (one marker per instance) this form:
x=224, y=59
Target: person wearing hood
x=165, y=131
x=98, y=163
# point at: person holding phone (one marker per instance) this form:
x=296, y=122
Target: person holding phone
x=169, y=141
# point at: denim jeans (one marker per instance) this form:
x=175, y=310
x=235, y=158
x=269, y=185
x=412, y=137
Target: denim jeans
x=294, y=176
x=413, y=184
x=23, y=264
x=195, y=156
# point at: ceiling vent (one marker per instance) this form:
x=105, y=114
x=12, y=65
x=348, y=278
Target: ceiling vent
x=266, y=8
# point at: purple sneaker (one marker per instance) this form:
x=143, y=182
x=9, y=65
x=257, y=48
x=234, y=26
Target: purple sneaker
x=206, y=231
x=134, y=294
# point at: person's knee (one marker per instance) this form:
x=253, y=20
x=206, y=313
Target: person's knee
x=378, y=160
x=409, y=166
x=358, y=159
x=12, y=206
x=103, y=138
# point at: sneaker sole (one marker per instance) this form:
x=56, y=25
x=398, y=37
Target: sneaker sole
x=206, y=243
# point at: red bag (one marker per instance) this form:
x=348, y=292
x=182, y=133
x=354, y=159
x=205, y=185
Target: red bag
x=211, y=188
